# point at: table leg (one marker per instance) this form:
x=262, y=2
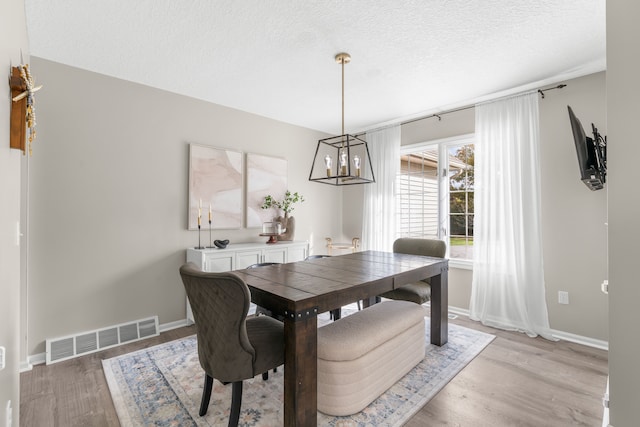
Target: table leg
x=301, y=371
x=440, y=308
x=368, y=302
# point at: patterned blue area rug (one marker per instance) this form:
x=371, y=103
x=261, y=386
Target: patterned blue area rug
x=162, y=386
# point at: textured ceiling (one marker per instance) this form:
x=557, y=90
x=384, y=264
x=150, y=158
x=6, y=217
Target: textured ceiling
x=276, y=58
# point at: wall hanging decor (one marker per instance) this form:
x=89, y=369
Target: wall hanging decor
x=215, y=186
x=23, y=108
x=265, y=175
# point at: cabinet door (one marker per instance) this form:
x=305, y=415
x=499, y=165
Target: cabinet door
x=246, y=258
x=275, y=255
x=219, y=263
x=297, y=253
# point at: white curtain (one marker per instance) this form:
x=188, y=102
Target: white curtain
x=379, y=223
x=508, y=288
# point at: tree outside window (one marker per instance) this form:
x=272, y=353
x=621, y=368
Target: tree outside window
x=420, y=187
x=461, y=207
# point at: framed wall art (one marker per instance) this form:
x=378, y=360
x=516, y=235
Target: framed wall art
x=266, y=175
x=215, y=187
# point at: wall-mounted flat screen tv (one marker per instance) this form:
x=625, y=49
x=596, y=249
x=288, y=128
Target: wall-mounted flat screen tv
x=592, y=154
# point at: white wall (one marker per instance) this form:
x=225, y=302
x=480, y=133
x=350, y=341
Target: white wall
x=623, y=106
x=108, y=198
x=13, y=41
x=573, y=217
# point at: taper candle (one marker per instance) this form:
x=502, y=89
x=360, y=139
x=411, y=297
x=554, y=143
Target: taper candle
x=210, y=215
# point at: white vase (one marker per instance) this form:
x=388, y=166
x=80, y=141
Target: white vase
x=289, y=225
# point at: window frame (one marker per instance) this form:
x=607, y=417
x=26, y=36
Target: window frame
x=443, y=145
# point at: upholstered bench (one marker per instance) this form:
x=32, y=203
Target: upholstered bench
x=360, y=356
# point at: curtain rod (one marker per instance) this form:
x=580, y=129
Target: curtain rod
x=454, y=110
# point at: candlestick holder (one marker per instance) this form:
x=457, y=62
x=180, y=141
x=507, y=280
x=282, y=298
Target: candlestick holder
x=199, y=245
x=210, y=241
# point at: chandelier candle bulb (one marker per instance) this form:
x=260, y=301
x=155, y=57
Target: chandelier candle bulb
x=343, y=162
x=356, y=164
x=328, y=162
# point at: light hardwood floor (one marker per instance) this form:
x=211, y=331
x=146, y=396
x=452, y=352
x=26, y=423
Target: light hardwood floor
x=515, y=381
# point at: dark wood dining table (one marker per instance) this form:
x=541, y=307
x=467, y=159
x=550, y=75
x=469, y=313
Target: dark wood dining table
x=301, y=290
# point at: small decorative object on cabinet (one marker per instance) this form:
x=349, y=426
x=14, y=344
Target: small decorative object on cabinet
x=271, y=229
x=221, y=244
x=354, y=245
x=286, y=205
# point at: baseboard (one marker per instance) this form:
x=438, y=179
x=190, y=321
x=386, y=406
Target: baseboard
x=561, y=335
x=173, y=325
x=40, y=358
x=36, y=359
x=579, y=339
x=25, y=366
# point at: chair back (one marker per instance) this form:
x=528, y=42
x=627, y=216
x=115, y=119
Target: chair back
x=220, y=303
x=426, y=247
x=317, y=257
x=263, y=264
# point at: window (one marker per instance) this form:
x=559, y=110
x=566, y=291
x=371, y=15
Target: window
x=435, y=189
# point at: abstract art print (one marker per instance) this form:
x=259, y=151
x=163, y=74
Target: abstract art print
x=215, y=187
x=266, y=175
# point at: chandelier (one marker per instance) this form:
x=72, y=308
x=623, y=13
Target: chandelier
x=342, y=159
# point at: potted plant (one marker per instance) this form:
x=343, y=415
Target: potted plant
x=286, y=206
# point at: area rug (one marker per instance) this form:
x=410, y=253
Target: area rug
x=162, y=386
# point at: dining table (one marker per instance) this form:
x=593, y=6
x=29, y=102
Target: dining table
x=299, y=291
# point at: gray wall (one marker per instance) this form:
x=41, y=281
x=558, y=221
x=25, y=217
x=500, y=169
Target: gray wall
x=108, y=197
x=13, y=41
x=573, y=217
x=623, y=106
x=108, y=200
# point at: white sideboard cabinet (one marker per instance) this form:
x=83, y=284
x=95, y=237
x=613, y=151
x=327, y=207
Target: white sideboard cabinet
x=241, y=255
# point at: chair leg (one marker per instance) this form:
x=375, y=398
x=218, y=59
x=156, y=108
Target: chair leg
x=206, y=394
x=236, y=402
x=359, y=308
x=335, y=314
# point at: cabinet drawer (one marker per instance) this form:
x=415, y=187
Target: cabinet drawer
x=219, y=264
x=278, y=255
x=246, y=258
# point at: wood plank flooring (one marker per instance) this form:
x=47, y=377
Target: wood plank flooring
x=515, y=381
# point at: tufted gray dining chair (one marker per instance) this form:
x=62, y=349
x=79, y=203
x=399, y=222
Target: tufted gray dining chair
x=418, y=292
x=231, y=347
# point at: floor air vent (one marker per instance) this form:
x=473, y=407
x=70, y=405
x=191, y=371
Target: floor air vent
x=59, y=349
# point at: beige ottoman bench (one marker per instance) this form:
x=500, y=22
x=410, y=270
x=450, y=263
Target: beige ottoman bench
x=360, y=356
